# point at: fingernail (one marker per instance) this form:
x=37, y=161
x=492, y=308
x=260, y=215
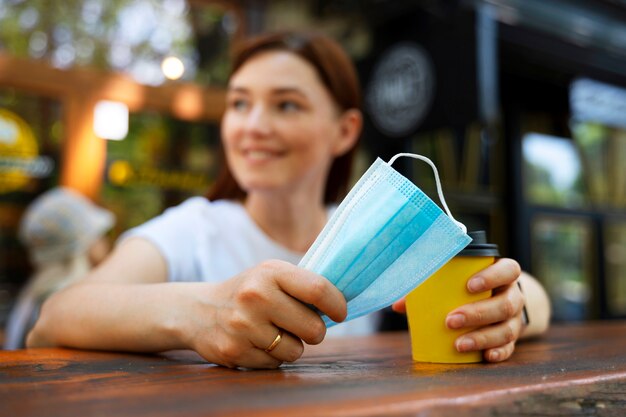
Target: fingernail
x=455, y=321
x=494, y=356
x=465, y=344
x=476, y=284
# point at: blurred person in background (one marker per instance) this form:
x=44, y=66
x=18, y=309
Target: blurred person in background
x=65, y=236
x=218, y=275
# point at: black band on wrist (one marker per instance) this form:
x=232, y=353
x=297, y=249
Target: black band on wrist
x=525, y=318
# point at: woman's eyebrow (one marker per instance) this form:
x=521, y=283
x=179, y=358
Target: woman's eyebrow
x=235, y=89
x=289, y=90
x=276, y=91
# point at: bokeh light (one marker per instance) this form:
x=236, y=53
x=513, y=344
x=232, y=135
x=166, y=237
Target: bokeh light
x=172, y=67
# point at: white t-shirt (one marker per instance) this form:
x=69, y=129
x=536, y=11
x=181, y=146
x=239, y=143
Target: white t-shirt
x=209, y=241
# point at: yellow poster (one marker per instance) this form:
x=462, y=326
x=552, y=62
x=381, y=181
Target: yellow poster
x=19, y=153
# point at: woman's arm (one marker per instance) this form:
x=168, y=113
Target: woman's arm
x=537, y=306
x=113, y=308
x=126, y=305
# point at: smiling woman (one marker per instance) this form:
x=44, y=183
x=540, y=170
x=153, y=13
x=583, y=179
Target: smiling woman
x=333, y=78
x=218, y=275
x=282, y=130
x=289, y=130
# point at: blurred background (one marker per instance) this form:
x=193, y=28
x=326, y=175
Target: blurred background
x=520, y=103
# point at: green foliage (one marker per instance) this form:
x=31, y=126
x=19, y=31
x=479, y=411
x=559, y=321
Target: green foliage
x=131, y=36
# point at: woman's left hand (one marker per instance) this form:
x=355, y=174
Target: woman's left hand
x=497, y=321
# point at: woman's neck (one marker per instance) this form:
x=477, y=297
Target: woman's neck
x=293, y=222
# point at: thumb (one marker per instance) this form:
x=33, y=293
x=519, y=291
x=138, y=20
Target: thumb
x=399, y=306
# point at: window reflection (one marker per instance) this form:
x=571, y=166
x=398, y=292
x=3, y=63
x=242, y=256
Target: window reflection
x=161, y=162
x=560, y=254
x=552, y=171
x=603, y=149
x=615, y=257
x=29, y=165
x=599, y=128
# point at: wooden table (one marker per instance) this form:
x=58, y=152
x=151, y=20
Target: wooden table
x=579, y=369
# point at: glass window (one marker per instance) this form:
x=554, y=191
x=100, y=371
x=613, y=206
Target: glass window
x=465, y=160
x=560, y=256
x=552, y=171
x=161, y=162
x=31, y=132
x=599, y=130
x=440, y=147
x=615, y=258
x=603, y=149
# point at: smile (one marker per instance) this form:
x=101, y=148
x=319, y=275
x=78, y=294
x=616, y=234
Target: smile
x=261, y=155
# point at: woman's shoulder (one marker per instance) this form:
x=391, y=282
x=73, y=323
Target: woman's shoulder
x=196, y=214
x=202, y=205
x=191, y=205
x=198, y=208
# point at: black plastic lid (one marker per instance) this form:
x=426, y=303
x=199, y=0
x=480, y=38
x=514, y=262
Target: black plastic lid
x=479, y=245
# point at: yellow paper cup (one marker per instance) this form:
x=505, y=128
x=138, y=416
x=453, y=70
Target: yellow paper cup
x=428, y=305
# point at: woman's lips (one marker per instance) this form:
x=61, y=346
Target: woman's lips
x=258, y=155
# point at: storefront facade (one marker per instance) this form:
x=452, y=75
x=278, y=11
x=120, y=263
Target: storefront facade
x=525, y=120
x=489, y=90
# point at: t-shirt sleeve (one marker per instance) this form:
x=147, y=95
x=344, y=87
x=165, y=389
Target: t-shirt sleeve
x=176, y=234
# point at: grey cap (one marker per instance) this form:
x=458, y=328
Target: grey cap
x=60, y=224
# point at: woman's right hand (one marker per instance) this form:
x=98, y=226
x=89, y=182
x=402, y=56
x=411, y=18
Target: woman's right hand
x=233, y=323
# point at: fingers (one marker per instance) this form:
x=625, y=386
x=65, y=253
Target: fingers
x=232, y=350
x=504, y=272
x=310, y=288
x=288, y=349
x=284, y=312
x=502, y=306
x=298, y=319
x=499, y=354
x=253, y=305
x=260, y=301
x=497, y=340
x=399, y=306
x=234, y=353
x=258, y=360
x=497, y=320
x=280, y=294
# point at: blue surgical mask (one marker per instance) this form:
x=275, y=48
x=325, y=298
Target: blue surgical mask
x=385, y=238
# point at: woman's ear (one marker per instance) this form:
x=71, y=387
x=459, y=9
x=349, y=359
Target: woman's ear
x=350, y=125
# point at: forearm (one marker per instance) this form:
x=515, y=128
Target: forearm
x=537, y=306
x=109, y=316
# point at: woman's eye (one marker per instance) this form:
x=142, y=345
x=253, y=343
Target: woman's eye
x=239, y=104
x=289, y=106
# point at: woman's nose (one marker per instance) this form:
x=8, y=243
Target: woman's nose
x=259, y=120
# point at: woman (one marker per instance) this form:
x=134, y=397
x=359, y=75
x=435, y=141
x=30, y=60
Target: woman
x=198, y=277
x=65, y=235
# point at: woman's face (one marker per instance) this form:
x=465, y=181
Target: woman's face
x=281, y=129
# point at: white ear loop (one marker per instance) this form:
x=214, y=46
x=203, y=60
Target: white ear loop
x=437, y=181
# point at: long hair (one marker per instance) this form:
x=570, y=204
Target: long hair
x=338, y=75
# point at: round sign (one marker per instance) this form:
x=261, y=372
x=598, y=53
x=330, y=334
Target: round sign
x=401, y=89
x=18, y=151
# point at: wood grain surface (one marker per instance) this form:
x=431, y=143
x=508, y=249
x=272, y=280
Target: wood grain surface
x=578, y=369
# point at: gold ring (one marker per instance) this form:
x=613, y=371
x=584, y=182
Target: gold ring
x=276, y=341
